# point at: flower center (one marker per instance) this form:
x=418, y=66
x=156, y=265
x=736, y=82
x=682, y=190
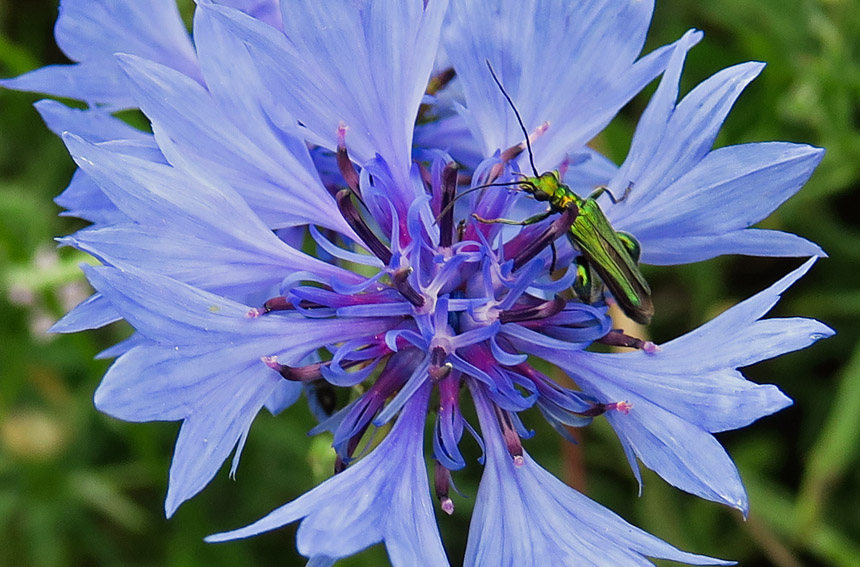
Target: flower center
x=463, y=300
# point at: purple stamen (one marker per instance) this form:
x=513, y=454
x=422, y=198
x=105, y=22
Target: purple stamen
x=539, y=311
x=401, y=283
x=279, y=303
x=449, y=189
x=517, y=149
x=600, y=408
x=511, y=437
x=344, y=164
x=442, y=484
x=554, y=231
x=622, y=407
x=291, y=373
x=616, y=337
x=357, y=223
x=439, y=365
x=306, y=373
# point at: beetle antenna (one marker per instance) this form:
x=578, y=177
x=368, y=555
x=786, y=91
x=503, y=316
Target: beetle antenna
x=517, y=114
x=472, y=190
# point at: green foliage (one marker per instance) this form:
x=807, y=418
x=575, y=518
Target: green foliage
x=78, y=488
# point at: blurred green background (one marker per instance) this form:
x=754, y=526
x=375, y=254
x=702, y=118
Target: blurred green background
x=78, y=488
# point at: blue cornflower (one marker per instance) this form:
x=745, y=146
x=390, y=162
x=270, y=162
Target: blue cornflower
x=306, y=117
x=91, y=32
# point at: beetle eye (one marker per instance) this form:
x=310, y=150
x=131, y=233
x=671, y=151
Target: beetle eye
x=540, y=195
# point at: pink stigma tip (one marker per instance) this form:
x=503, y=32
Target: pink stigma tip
x=341, y=134
x=271, y=362
x=623, y=407
x=519, y=461
x=253, y=313
x=447, y=505
x=651, y=348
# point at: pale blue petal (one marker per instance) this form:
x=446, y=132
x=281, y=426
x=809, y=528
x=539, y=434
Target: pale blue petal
x=751, y=242
x=85, y=200
x=384, y=497
x=365, y=66
x=95, y=125
x=96, y=29
x=94, y=82
x=285, y=395
x=216, y=391
x=154, y=383
x=157, y=195
x=598, y=41
x=654, y=123
x=681, y=192
x=686, y=456
x=92, y=313
x=279, y=186
x=122, y=347
x=587, y=170
x=727, y=191
x=91, y=31
x=202, y=365
x=175, y=314
x=525, y=516
x=450, y=134
x=223, y=266
x=691, y=388
x=207, y=438
x=267, y=11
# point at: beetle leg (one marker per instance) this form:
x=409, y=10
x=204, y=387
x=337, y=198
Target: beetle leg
x=531, y=220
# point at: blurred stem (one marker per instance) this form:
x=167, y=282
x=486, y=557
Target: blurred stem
x=835, y=449
x=778, y=553
x=574, y=472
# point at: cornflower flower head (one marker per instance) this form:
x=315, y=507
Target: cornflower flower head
x=299, y=123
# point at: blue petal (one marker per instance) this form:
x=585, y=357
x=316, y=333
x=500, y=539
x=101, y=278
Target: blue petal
x=206, y=438
x=157, y=195
x=202, y=364
x=229, y=268
x=570, y=64
x=383, y=497
x=85, y=200
x=653, y=125
x=750, y=242
x=91, y=313
x=691, y=388
x=95, y=125
x=286, y=393
x=94, y=29
x=588, y=169
x=697, y=198
x=727, y=191
x=452, y=135
x=216, y=391
x=153, y=383
x=94, y=83
x=525, y=516
x=264, y=10
x=340, y=63
x=173, y=313
x=91, y=31
x=277, y=183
